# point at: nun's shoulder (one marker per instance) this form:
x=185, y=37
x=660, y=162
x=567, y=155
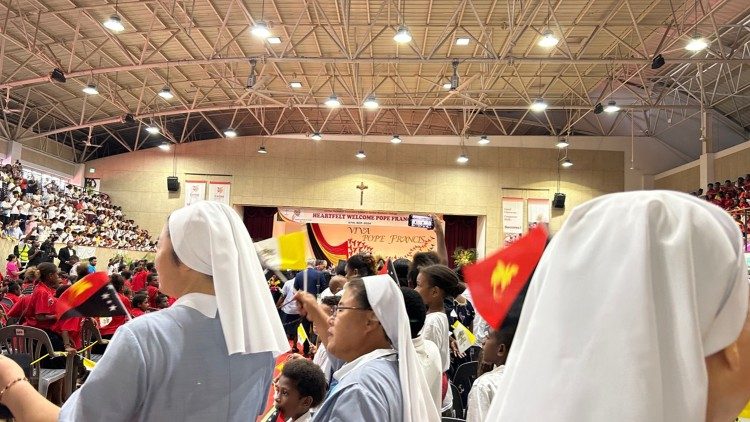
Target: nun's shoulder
x=379, y=372
x=165, y=319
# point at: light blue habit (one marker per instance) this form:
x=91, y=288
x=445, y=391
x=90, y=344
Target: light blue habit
x=172, y=366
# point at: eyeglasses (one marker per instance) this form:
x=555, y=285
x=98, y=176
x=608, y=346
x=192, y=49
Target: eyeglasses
x=336, y=309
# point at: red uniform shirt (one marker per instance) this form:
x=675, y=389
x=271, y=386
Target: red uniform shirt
x=19, y=308
x=73, y=327
x=139, y=281
x=136, y=312
x=42, y=302
x=117, y=321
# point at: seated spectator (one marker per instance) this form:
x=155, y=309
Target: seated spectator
x=494, y=353
x=41, y=311
x=140, y=305
x=162, y=301
x=92, y=264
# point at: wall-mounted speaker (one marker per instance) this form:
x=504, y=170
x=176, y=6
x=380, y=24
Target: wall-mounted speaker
x=559, y=200
x=173, y=185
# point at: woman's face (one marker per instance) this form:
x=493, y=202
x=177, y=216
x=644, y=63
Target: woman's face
x=166, y=266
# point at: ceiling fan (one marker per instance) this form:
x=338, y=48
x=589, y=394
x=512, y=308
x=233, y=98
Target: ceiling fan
x=88, y=143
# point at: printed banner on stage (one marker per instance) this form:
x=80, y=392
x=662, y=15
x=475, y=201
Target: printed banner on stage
x=512, y=219
x=195, y=190
x=348, y=218
x=538, y=212
x=219, y=192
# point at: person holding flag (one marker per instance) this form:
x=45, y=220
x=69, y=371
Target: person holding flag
x=624, y=320
x=208, y=357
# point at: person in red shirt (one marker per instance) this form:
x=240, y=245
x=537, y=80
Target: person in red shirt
x=718, y=199
x=152, y=289
x=140, y=305
x=139, y=279
x=108, y=330
x=41, y=311
x=13, y=293
x=711, y=191
x=69, y=329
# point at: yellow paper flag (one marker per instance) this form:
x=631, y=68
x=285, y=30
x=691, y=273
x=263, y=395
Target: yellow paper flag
x=88, y=364
x=464, y=337
x=301, y=334
x=292, y=251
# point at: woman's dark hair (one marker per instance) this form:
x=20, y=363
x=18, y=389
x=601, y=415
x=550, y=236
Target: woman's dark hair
x=11, y=257
x=307, y=377
x=117, y=282
x=341, y=267
x=46, y=269
x=401, y=266
x=364, y=264
x=330, y=301
x=126, y=275
x=14, y=288
x=415, y=309
x=443, y=278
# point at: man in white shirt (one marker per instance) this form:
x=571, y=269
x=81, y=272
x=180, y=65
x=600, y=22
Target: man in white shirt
x=427, y=352
x=289, y=310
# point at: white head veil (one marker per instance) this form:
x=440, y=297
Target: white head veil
x=387, y=302
x=629, y=298
x=210, y=238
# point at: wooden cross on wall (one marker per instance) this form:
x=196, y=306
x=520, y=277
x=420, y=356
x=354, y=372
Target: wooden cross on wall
x=362, y=186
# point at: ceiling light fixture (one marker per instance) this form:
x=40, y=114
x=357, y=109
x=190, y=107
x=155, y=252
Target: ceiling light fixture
x=403, y=35
x=371, y=103
x=462, y=158
x=260, y=30
x=612, y=107
x=548, y=39
x=538, y=105
x=462, y=41
x=333, y=101
x=230, y=133
x=562, y=143
x=262, y=150
x=396, y=139
x=360, y=154
x=154, y=130
x=483, y=140
x=114, y=24
x=447, y=85
x=90, y=89
x=295, y=84
x=166, y=93
x=566, y=163
x=316, y=136
x=164, y=146
x=273, y=40
x=697, y=43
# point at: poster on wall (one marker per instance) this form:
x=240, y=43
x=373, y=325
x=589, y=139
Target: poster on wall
x=218, y=192
x=195, y=190
x=538, y=212
x=512, y=219
x=92, y=184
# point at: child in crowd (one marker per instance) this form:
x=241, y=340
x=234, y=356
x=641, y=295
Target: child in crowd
x=300, y=387
x=140, y=305
x=162, y=301
x=494, y=353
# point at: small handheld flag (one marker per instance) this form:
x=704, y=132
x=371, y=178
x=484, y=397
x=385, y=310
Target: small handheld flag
x=286, y=252
x=496, y=281
x=464, y=337
x=91, y=296
x=301, y=334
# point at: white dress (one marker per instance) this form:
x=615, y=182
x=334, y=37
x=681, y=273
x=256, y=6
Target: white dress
x=481, y=394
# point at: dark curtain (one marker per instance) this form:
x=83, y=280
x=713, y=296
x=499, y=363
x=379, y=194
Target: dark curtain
x=259, y=221
x=460, y=232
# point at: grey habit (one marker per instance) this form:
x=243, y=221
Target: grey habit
x=173, y=365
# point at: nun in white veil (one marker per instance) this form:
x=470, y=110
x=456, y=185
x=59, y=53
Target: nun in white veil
x=636, y=312
x=209, y=357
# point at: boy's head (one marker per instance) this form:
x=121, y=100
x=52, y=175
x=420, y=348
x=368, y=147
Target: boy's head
x=302, y=385
x=162, y=301
x=497, y=345
x=140, y=301
x=152, y=280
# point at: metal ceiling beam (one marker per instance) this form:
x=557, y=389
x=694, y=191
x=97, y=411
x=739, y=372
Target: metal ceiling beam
x=377, y=60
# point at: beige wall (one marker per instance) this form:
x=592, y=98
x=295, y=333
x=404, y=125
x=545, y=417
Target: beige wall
x=732, y=166
x=685, y=181
x=407, y=178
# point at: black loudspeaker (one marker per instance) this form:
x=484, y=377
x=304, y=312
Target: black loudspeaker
x=559, y=200
x=173, y=185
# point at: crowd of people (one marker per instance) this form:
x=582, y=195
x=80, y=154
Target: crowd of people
x=60, y=214
x=29, y=296
x=662, y=339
